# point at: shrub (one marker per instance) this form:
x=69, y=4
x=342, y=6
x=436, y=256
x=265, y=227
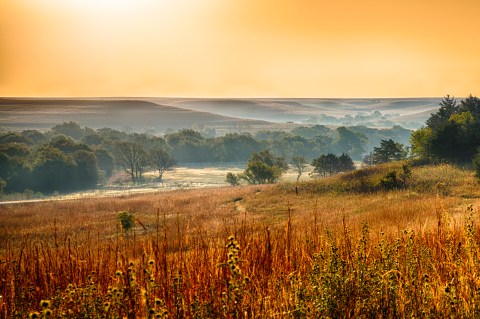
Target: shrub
x=390, y=181
x=232, y=179
x=126, y=219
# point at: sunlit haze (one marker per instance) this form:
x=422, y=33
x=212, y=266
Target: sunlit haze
x=239, y=48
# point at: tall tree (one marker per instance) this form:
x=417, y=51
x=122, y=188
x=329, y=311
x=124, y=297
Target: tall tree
x=388, y=151
x=128, y=155
x=451, y=134
x=162, y=160
x=448, y=106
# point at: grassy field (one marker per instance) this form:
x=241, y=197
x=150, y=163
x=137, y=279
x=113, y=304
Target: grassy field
x=341, y=248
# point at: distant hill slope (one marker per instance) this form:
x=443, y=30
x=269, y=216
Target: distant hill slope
x=223, y=114
x=409, y=112
x=114, y=113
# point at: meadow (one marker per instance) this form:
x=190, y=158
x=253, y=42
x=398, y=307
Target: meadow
x=341, y=248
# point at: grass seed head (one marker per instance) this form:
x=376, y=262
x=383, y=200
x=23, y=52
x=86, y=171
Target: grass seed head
x=34, y=315
x=45, y=304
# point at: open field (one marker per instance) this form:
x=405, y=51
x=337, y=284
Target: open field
x=332, y=251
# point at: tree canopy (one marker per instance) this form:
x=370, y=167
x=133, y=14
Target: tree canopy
x=264, y=168
x=452, y=133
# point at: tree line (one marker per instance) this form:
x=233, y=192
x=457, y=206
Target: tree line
x=452, y=134
x=69, y=157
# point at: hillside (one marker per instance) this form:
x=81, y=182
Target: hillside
x=17, y=114
x=335, y=250
x=409, y=112
x=224, y=115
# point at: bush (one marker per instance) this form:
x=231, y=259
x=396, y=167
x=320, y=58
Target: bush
x=126, y=219
x=232, y=179
x=390, y=181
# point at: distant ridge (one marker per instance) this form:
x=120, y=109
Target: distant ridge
x=97, y=113
x=162, y=114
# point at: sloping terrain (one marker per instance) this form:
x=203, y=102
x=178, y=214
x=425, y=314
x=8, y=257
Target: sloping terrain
x=162, y=114
x=411, y=112
x=114, y=113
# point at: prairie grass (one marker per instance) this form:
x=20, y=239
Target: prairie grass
x=333, y=251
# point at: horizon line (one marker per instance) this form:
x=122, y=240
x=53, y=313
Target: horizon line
x=223, y=98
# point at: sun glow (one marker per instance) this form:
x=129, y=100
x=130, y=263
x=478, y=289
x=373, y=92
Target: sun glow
x=288, y=48
x=109, y=5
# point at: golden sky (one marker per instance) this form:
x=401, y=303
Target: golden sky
x=239, y=48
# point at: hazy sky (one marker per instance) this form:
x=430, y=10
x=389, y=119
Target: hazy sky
x=240, y=48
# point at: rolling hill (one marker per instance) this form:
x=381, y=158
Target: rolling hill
x=115, y=113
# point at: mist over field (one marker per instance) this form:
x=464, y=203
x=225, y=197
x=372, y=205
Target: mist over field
x=164, y=114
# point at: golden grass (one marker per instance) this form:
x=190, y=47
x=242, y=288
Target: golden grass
x=304, y=256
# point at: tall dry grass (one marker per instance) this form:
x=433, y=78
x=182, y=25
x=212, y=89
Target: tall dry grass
x=328, y=252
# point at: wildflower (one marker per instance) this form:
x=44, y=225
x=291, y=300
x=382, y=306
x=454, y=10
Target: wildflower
x=118, y=273
x=45, y=303
x=47, y=312
x=34, y=315
x=157, y=302
x=151, y=262
x=131, y=264
x=151, y=311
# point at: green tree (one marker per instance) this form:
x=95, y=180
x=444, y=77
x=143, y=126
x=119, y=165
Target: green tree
x=70, y=129
x=264, y=168
x=452, y=134
x=35, y=136
x=232, y=179
x=448, y=107
x=54, y=171
x=345, y=163
x=350, y=142
x=388, y=151
x=11, y=137
x=105, y=161
x=235, y=147
x=15, y=159
x=420, y=140
x=330, y=164
x=87, y=169
x=325, y=165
